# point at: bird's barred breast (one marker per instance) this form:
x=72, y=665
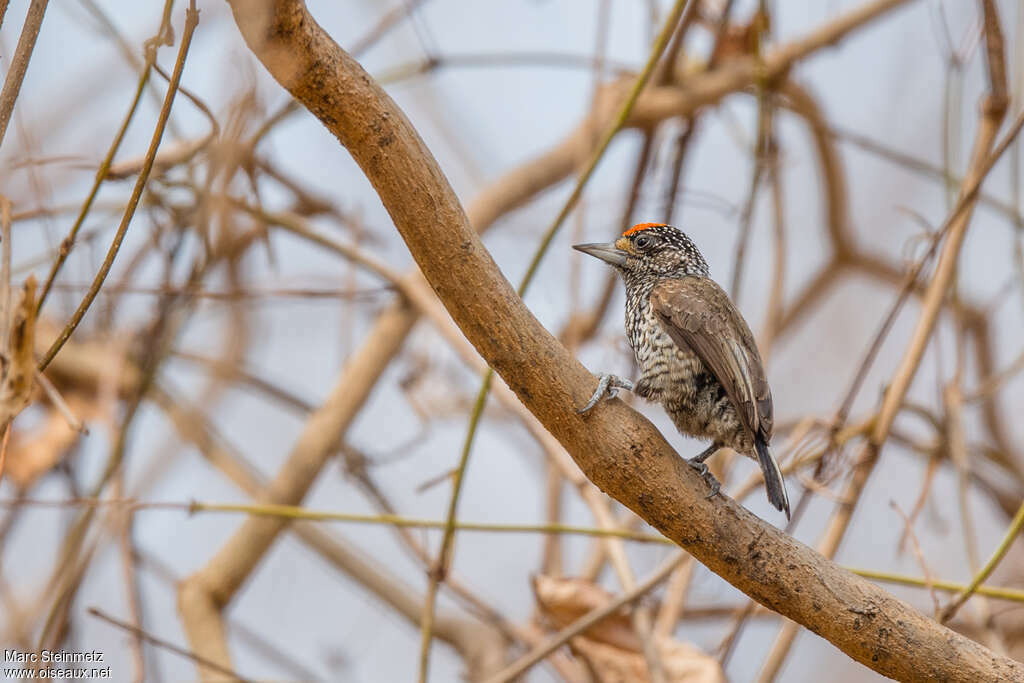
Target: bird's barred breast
x=666, y=370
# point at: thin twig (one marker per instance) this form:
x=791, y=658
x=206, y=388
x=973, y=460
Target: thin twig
x=919, y=166
x=1016, y=524
x=19, y=62
x=68, y=243
x=6, y=309
x=918, y=553
x=440, y=568
x=159, y=642
x=59, y=403
x=435, y=63
x=998, y=592
x=191, y=21
x=3, y=449
x=296, y=512
x=387, y=22
x=124, y=523
x=760, y=154
x=993, y=382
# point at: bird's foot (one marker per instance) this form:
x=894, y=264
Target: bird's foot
x=606, y=385
x=705, y=473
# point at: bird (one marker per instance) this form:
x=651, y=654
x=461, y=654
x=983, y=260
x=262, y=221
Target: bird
x=694, y=351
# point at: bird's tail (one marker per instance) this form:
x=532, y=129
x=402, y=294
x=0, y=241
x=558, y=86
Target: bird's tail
x=773, y=481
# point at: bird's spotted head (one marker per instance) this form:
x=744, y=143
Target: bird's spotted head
x=650, y=250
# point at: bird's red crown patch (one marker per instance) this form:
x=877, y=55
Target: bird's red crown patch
x=641, y=226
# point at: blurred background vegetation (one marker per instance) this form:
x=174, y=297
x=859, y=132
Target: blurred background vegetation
x=253, y=329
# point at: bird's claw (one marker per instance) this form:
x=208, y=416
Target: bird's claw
x=606, y=385
x=705, y=473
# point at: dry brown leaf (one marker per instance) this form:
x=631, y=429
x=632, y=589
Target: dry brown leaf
x=33, y=453
x=172, y=155
x=563, y=601
x=680, y=662
x=686, y=662
x=19, y=370
x=611, y=647
x=87, y=363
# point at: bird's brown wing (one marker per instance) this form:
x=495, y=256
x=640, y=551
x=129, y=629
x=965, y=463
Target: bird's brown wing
x=698, y=315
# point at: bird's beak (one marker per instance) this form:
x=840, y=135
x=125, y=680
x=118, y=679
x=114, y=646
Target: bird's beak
x=606, y=252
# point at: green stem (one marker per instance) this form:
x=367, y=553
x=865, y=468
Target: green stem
x=1011, y=594
x=69, y=242
x=299, y=513
x=1015, y=526
x=192, y=18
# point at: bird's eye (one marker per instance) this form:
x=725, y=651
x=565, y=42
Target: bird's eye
x=642, y=242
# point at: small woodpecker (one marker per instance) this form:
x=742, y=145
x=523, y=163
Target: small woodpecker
x=696, y=354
